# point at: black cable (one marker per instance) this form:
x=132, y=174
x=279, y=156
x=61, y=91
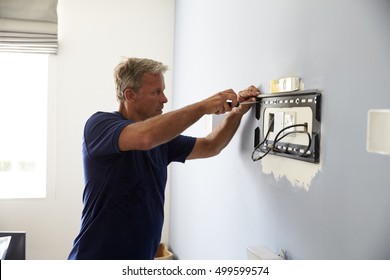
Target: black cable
x=276, y=139
x=260, y=144
x=295, y=132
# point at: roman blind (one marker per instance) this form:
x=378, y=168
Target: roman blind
x=28, y=26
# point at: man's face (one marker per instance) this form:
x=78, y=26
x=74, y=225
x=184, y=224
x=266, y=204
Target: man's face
x=150, y=99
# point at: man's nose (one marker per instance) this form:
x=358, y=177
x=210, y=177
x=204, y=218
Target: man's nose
x=164, y=98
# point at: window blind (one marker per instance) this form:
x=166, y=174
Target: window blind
x=28, y=26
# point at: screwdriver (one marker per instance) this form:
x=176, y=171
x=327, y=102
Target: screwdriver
x=243, y=103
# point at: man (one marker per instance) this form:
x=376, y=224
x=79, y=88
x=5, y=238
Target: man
x=126, y=154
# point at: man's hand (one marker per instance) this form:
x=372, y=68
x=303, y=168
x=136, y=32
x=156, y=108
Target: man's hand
x=247, y=95
x=217, y=103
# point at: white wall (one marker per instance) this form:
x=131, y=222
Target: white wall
x=220, y=206
x=93, y=36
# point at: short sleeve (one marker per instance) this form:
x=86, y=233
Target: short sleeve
x=180, y=148
x=101, y=134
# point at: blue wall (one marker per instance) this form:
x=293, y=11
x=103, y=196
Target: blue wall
x=219, y=206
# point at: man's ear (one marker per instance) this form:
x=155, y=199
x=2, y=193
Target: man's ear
x=129, y=95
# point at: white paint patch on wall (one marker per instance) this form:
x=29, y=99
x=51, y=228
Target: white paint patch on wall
x=299, y=173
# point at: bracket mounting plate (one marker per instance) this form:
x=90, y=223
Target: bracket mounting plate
x=277, y=111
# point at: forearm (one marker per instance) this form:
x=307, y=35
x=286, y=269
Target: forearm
x=155, y=131
x=218, y=139
x=222, y=135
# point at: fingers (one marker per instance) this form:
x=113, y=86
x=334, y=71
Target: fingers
x=218, y=103
x=227, y=100
x=252, y=88
x=248, y=94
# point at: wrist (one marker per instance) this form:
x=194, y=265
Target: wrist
x=239, y=111
x=236, y=113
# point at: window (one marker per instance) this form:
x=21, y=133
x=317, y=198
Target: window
x=23, y=122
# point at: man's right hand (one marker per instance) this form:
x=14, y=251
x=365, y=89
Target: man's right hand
x=217, y=103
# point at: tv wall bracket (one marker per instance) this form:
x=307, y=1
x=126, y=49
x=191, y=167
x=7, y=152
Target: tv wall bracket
x=293, y=118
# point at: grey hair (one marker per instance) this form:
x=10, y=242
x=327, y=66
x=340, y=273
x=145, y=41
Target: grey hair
x=130, y=71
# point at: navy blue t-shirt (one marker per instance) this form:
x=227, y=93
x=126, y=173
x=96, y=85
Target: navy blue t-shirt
x=124, y=192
